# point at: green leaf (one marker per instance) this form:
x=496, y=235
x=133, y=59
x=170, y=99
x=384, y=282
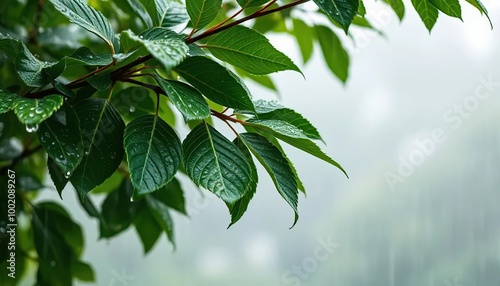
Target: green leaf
x=263, y=80
x=102, y=133
x=160, y=212
x=361, y=9
x=82, y=271
x=249, y=50
x=7, y=101
x=57, y=176
x=36, y=73
x=449, y=7
x=154, y=154
x=31, y=70
x=85, y=56
x=202, y=12
x=50, y=244
x=142, y=12
x=133, y=102
x=35, y=111
x=334, y=53
x=188, y=100
x=479, y=5
x=277, y=166
x=239, y=208
x=216, y=82
x=171, y=13
x=172, y=196
x=399, y=8
x=10, y=46
x=305, y=38
x=251, y=3
x=117, y=211
x=88, y=18
x=61, y=137
x=293, y=136
x=294, y=118
x=427, y=12
x=215, y=163
x=147, y=228
x=165, y=45
x=340, y=11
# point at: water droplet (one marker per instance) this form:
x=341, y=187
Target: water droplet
x=67, y=175
x=132, y=109
x=38, y=111
x=141, y=37
x=30, y=128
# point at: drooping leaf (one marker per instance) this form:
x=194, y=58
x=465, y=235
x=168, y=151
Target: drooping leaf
x=154, y=153
x=239, y=208
x=340, y=11
x=36, y=73
x=142, y=12
x=82, y=271
x=249, y=50
x=202, y=12
x=117, y=210
x=216, y=82
x=88, y=18
x=251, y=3
x=293, y=136
x=305, y=38
x=7, y=101
x=172, y=196
x=188, y=100
x=102, y=134
x=171, y=13
x=52, y=248
x=479, y=5
x=31, y=70
x=162, y=215
x=449, y=7
x=427, y=12
x=61, y=137
x=57, y=176
x=147, y=228
x=334, y=53
x=165, y=45
x=35, y=111
x=399, y=8
x=277, y=166
x=215, y=163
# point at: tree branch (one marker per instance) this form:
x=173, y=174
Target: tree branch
x=116, y=74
